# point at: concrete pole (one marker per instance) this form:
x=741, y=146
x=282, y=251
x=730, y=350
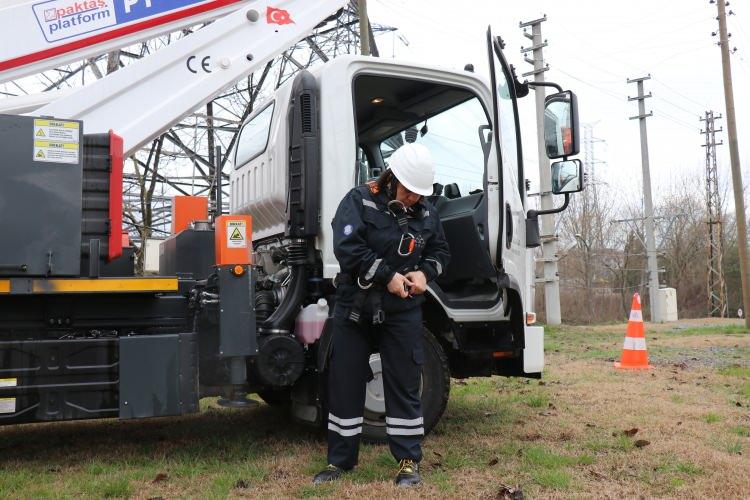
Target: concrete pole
x=548, y=236
x=653, y=269
x=364, y=27
x=734, y=158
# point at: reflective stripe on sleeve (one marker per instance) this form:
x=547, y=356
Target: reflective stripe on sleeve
x=373, y=269
x=438, y=267
x=344, y=432
x=635, y=344
x=369, y=203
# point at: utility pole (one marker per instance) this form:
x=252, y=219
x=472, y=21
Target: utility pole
x=716, y=285
x=648, y=205
x=364, y=27
x=548, y=237
x=734, y=159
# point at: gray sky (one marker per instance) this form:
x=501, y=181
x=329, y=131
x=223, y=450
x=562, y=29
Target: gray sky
x=594, y=46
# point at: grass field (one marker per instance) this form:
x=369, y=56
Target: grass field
x=562, y=437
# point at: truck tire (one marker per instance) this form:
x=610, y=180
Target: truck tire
x=435, y=390
x=280, y=397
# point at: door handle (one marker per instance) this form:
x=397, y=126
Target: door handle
x=508, y=226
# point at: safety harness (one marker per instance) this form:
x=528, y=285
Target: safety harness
x=369, y=293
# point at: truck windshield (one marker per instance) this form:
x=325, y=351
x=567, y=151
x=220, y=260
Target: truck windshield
x=453, y=139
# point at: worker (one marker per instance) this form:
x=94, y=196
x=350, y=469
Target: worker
x=390, y=244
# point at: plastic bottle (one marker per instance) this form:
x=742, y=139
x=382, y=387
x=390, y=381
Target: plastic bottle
x=310, y=322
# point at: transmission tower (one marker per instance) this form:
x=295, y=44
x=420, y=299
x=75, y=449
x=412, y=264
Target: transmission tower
x=716, y=285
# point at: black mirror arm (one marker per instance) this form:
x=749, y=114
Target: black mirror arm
x=545, y=84
x=532, y=214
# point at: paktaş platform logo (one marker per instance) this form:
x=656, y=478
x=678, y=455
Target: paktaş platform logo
x=60, y=19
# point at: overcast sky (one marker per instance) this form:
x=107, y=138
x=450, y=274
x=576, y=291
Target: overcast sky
x=594, y=47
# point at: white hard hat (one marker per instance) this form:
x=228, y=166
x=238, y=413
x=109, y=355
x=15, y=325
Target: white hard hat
x=412, y=166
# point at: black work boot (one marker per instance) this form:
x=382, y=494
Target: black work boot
x=330, y=473
x=408, y=473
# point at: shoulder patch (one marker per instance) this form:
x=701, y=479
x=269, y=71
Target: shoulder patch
x=348, y=229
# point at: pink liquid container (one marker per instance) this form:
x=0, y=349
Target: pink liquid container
x=310, y=321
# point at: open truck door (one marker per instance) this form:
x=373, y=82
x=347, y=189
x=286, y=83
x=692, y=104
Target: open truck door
x=505, y=177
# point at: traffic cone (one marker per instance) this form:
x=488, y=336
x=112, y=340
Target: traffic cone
x=634, y=354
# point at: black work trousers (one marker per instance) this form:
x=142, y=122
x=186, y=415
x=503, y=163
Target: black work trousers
x=399, y=340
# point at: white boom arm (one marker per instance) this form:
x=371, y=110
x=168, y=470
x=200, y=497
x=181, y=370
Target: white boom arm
x=40, y=35
x=144, y=99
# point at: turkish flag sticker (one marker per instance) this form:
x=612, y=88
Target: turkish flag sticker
x=278, y=16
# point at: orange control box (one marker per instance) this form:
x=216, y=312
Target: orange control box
x=186, y=209
x=233, y=234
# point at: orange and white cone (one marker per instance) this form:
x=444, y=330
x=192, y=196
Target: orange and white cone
x=634, y=354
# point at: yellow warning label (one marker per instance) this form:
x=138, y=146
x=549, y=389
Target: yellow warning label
x=56, y=152
x=236, y=233
x=55, y=123
x=62, y=142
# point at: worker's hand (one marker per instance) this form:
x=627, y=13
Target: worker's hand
x=400, y=285
x=419, y=282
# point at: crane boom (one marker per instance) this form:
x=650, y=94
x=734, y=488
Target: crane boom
x=155, y=92
x=48, y=34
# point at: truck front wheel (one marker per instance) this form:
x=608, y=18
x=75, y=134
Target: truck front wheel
x=434, y=390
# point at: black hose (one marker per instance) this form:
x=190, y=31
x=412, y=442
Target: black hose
x=282, y=318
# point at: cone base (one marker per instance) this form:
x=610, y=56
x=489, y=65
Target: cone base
x=620, y=366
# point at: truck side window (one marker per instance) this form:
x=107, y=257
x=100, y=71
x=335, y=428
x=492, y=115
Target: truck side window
x=254, y=137
x=453, y=139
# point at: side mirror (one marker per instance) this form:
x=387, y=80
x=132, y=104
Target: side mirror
x=567, y=177
x=561, y=125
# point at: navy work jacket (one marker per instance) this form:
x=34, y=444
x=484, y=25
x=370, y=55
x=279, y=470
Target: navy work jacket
x=366, y=236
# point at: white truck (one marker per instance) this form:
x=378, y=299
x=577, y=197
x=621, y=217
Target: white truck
x=318, y=136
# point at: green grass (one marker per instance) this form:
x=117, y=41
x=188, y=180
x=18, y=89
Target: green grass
x=536, y=400
x=712, y=418
x=735, y=448
x=555, y=479
x=442, y=480
x=676, y=482
x=109, y=487
x=313, y=491
x=712, y=330
x=736, y=371
x=677, y=399
x=542, y=457
x=740, y=430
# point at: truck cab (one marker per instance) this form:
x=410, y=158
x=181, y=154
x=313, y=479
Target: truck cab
x=365, y=108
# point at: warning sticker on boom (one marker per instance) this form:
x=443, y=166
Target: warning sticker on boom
x=57, y=141
x=236, y=234
x=56, y=152
x=56, y=130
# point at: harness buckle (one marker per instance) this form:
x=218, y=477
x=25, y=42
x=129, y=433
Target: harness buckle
x=378, y=317
x=363, y=287
x=406, y=245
